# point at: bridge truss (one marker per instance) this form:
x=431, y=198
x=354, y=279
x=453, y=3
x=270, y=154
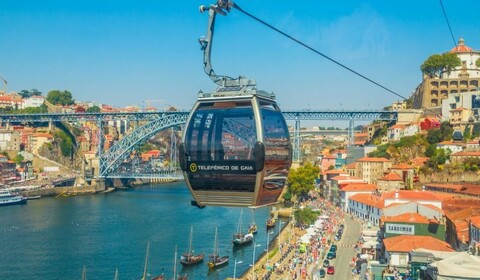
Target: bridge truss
x=160, y=120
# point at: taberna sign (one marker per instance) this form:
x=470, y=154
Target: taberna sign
x=400, y=229
x=222, y=167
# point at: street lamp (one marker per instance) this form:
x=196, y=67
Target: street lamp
x=279, y=231
x=253, y=259
x=268, y=241
x=235, y=268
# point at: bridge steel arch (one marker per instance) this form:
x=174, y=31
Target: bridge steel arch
x=112, y=159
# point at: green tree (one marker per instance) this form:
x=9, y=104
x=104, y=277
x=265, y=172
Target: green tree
x=24, y=93
x=93, y=109
x=65, y=142
x=58, y=97
x=446, y=131
x=466, y=133
x=301, y=180
x=434, y=136
x=450, y=61
x=145, y=147
x=18, y=159
x=5, y=154
x=438, y=63
x=431, y=149
x=477, y=63
x=306, y=216
x=287, y=195
x=381, y=151
x=476, y=130
x=432, y=66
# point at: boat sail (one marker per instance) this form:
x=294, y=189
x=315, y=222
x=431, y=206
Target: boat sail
x=253, y=226
x=239, y=238
x=189, y=258
x=215, y=259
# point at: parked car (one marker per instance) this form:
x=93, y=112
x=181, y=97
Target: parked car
x=331, y=255
x=326, y=263
x=321, y=273
x=331, y=270
x=333, y=248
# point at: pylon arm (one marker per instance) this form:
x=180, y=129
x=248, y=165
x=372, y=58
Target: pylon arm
x=222, y=7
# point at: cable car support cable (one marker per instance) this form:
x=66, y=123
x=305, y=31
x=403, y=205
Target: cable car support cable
x=314, y=50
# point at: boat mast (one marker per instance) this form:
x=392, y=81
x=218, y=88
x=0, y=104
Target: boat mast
x=215, y=245
x=239, y=229
x=190, y=242
x=146, y=262
x=175, y=264
x=116, y=275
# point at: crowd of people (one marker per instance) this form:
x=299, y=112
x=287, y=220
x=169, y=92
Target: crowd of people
x=297, y=260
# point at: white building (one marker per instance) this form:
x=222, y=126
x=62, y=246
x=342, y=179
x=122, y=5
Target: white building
x=34, y=101
x=352, y=189
x=411, y=129
x=368, y=207
x=454, y=147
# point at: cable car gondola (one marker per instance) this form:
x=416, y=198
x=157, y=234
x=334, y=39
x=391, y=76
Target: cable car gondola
x=235, y=149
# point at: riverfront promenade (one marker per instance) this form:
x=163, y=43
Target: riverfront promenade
x=290, y=263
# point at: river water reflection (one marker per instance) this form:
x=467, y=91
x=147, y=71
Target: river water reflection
x=54, y=238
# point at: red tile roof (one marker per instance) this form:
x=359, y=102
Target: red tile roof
x=407, y=243
x=454, y=187
x=455, y=204
x=412, y=195
x=335, y=171
x=397, y=126
x=475, y=220
x=373, y=159
x=402, y=166
x=46, y=135
x=470, y=189
x=407, y=218
x=433, y=208
x=466, y=154
x=391, y=177
x=341, y=177
x=368, y=199
x=358, y=187
x=452, y=143
x=419, y=161
x=461, y=47
x=352, y=165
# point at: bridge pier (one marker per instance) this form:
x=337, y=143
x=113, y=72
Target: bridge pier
x=296, y=141
x=100, y=182
x=350, y=132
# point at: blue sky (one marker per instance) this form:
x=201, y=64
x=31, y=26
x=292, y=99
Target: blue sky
x=124, y=52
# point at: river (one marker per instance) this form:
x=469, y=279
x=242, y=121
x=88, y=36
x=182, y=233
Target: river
x=54, y=238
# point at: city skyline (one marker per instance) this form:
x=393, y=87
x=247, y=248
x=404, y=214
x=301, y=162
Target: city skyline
x=122, y=53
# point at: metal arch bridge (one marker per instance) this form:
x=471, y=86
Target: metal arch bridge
x=160, y=120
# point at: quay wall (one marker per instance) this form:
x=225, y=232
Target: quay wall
x=64, y=191
x=448, y=177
